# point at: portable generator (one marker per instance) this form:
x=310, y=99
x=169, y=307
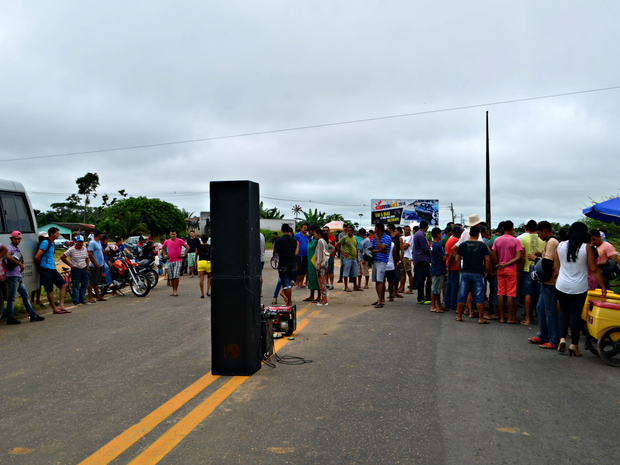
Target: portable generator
x=284, y=318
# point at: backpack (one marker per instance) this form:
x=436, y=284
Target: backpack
x=38, y=263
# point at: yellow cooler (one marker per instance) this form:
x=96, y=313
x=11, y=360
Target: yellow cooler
x=602, y=315
x=596, y=295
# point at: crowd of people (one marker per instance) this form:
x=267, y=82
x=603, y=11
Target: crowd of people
x=469, y=269
x=90, y=263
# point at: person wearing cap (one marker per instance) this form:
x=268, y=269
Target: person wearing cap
x=44, y=258
x=15, y=284
x=79, y=269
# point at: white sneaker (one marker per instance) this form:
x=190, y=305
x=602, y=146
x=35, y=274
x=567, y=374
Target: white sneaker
x=323, y=305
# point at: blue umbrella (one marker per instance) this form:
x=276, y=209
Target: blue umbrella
x=608, y=211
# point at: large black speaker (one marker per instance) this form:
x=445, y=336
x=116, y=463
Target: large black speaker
x=235, y=271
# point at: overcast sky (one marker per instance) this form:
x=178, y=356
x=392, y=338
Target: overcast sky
x=79, y=76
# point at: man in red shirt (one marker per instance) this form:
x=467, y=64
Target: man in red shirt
x=173, y=251
x=507, y=251
x=454, y=277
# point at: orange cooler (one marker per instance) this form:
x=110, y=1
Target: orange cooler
x=602, y=315
x=596, y=295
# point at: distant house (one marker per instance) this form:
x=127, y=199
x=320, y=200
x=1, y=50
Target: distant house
x=69, y=230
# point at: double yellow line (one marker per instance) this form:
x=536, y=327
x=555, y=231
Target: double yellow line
x=170, y=439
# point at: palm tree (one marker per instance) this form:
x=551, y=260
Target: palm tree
x=271, y=213
x=296, y=210
x=130, y=224
x=314, y=217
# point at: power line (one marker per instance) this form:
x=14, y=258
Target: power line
x=314, y=126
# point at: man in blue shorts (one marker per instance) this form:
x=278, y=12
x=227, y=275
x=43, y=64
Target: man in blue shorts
x=49, y=275
x=476, y=265
x=286, y=247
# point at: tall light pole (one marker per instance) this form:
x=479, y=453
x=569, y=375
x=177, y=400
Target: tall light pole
x=488, y=218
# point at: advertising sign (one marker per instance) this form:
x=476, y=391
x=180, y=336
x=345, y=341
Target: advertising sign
x=401, y=211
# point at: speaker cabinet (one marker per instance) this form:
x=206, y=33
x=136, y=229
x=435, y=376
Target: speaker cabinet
x=235, y=278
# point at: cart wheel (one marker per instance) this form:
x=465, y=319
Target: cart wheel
x=609, y=346
x=591, y=345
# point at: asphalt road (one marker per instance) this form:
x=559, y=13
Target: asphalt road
x=391, y=385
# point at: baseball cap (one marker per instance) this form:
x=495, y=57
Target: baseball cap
x=79, y=239
x=457, y=229
x=43, y=234
x=448, y=228
x=16, y=234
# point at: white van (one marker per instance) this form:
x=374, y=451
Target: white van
x=16, y=214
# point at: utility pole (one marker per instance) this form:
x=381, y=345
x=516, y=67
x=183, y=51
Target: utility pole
x=452, y=210
x=488, y=218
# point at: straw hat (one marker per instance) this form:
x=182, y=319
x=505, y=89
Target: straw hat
x=473, y=220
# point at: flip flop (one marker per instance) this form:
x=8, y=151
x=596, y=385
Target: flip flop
x=308, y=300
x=375, y=303
x=379, y=306
x=347, y=290
x=526, y=324
x=399, y=296
x=483, y=322
x=439, y=311
x=516, y=322
x=358, y=290
x=535, y=340
x=102, y=299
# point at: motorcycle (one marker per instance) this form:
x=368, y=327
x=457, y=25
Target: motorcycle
x=125, y=273
x=150, y=267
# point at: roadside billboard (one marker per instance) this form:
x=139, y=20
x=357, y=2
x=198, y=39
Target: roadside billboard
x=402, y=211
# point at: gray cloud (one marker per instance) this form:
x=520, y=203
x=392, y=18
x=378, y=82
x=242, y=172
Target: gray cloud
x=83, y=77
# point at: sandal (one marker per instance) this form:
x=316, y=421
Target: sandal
x=458, y=318
x=483, y=322
x=375, y=303
x=535, y=340
x=379, y=306
x=61, y=312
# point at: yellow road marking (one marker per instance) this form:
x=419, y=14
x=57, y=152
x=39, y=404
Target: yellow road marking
x=169, y=440
x=178, y=432
x=313, y=314
x=126, y=439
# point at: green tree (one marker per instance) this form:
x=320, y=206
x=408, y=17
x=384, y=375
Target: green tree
x=157, y=215
x=87, y=185
x=131, y=224
x=271, y=213
x=313, y=217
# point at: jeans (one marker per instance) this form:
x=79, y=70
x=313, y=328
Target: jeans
x=14, y=286
x=79, y=284
x=548, y=316
x=107, y=274
x=423, y=273
x=471, y=282
x=570, y=307
x=278, y=287
x=452, y=289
